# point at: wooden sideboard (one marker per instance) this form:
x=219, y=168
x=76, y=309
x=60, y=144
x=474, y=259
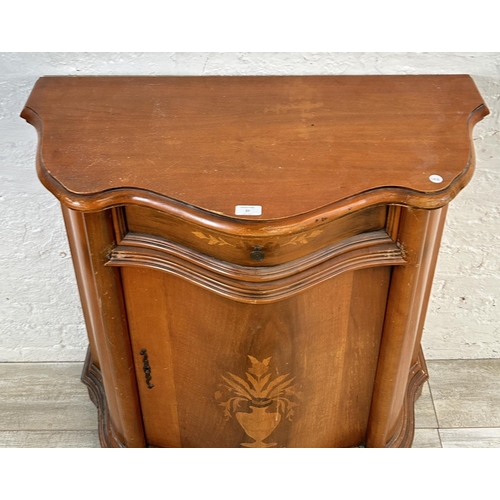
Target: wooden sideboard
x=255, y=255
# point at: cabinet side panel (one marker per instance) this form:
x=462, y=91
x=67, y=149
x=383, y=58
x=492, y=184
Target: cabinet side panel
x=430, y=257
x=419, y=236
x=294, y=373
x=77, y=238
x=91, y=237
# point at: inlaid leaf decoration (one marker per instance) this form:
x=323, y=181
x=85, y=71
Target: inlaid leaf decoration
x=260, y=389
x=212, y=240
x=303, y=238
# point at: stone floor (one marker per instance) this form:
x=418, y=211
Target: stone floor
x=460, y=405
x=44, y=405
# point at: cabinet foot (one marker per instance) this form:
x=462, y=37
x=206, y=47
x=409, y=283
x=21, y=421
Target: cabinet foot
x=403, y=437
x=92, y=378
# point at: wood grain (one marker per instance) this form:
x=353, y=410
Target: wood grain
x=338, y=140
x=299, y=327
x=326, y=338
x=91, y=238
x=405, y=307
x=259, y=284
x=278, y=246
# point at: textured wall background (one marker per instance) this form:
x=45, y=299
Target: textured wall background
x=40, y=316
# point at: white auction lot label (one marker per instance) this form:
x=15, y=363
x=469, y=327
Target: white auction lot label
x=248, y=210
x=437, y=179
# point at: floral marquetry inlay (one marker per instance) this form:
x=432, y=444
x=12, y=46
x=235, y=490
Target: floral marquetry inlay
x=260, y=403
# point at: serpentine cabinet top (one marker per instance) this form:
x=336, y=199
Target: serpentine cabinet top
x=297, y=146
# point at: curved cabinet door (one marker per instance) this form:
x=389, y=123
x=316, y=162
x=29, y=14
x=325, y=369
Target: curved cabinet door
x=214, y=372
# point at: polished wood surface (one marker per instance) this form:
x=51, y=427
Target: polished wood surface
x=202, y=351
x=90, y=237
x=277, y=247
x=255, y=140
x=299, y=327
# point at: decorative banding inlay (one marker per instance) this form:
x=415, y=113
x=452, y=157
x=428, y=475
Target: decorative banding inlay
x=257, y=284
x=210, y=239
x=303, y=239
x=299, y=239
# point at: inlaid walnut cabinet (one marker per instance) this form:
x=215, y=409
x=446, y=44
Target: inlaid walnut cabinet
x=255, y=255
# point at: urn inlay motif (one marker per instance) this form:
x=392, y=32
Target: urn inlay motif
x=266, y=399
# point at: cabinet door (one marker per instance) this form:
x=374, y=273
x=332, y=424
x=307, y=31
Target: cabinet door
x=215, y=372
